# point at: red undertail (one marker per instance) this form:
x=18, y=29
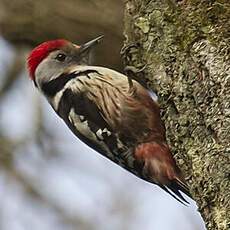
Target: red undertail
x=161, y=169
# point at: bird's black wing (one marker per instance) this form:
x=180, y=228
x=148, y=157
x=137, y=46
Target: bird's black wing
x=72, y=97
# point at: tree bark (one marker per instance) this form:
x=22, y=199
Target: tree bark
x=182, y=49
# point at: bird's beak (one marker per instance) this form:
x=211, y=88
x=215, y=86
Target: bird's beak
x=90, y=44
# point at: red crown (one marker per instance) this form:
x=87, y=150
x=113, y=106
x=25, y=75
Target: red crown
x=40, y=52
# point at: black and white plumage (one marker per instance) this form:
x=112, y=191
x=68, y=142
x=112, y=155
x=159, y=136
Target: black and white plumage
x=88, y=110
x=113, y=114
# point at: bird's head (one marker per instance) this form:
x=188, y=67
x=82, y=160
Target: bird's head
x=52, y=58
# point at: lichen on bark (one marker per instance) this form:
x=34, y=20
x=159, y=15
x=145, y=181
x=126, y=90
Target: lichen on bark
x=184, y=49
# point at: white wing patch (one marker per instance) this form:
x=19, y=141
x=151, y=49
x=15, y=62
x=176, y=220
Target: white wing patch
x=82, y=118
x=100, y=133
x=82, y=126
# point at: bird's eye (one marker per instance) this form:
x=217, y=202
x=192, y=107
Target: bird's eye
x=61, y=57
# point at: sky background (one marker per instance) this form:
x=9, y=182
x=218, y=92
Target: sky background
x=60, y=183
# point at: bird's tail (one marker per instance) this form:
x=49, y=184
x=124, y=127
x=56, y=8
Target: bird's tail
x=160, y=168
x=174, y=188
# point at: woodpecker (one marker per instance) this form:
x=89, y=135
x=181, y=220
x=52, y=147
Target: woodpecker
x=108, y=111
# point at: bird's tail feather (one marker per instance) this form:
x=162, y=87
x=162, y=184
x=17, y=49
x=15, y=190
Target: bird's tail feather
x=160, y=168
x=175, y=188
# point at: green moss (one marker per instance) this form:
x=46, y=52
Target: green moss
x=143, y=24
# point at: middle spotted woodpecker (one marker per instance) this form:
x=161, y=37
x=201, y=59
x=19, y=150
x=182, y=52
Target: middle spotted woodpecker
x=113, y=114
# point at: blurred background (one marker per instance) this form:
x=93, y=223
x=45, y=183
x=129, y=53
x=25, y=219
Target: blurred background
x=48, y=178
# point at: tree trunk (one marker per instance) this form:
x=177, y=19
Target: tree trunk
x=182, y=49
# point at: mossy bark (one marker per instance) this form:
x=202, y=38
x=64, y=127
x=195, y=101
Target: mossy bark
x=183, y=49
